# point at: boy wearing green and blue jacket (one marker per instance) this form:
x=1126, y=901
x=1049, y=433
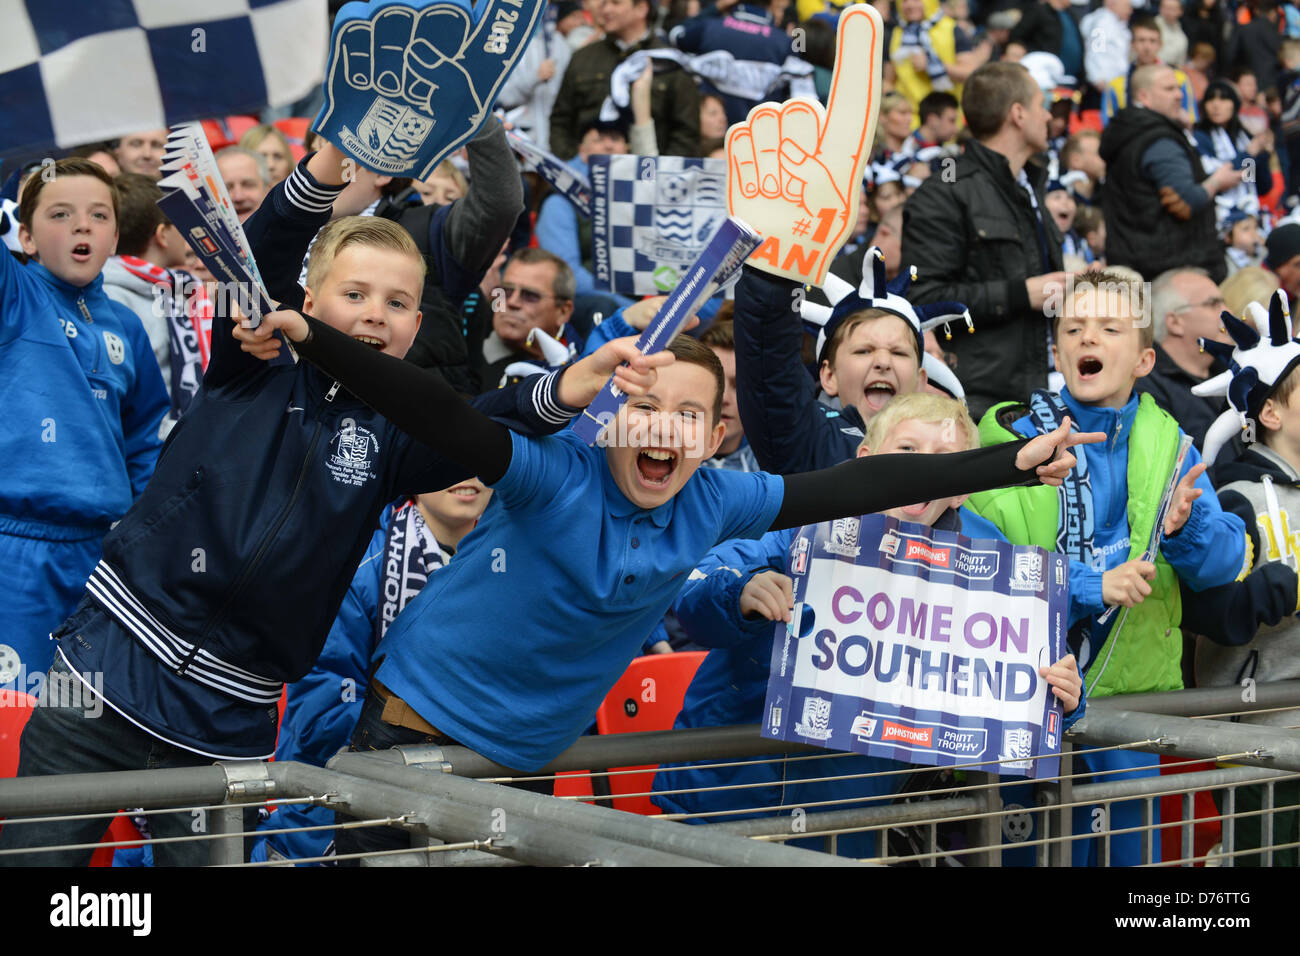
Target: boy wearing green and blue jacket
x=1104, y=516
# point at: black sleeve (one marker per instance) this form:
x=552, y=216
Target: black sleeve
x=878, y=482
x=416, y=400
x=1231, y=613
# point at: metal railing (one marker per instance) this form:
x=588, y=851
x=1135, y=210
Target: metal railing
x=454, y=806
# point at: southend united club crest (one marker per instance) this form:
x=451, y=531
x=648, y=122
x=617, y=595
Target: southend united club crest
x=815, y=724
x=390, y=135
x=844, y=537
x=353, y=451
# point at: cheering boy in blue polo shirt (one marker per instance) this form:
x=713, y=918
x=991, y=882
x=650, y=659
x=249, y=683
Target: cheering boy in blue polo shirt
x=595, y=542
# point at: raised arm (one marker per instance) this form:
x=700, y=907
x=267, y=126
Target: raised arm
x=280, y=232
x=422, y=404
x=787, y=431
x=879, y=482
x=416, y=400
x=478, y=225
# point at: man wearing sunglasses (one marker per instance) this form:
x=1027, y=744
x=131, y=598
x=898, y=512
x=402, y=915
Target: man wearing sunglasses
x=536, y=292
x=1185, y=306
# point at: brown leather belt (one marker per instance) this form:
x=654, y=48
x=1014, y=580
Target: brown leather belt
x=398, y=713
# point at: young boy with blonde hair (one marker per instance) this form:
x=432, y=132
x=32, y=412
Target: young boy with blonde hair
x=1103, y=517
x=219, y=586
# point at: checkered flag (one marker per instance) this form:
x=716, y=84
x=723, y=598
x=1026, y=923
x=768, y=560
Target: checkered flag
x=652, y=216
x=75, y=72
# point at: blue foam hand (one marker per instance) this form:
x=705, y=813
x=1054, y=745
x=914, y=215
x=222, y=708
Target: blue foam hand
x=409, y=82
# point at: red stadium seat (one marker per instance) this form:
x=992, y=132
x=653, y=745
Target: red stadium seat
x=295, y=130
x=1204, y=835
x=226, y=130
x=648, y=696
x=15, y=708
x=1272, y=200
x=1087, y=119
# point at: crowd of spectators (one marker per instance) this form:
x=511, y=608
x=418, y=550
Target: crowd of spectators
x=1020, y=147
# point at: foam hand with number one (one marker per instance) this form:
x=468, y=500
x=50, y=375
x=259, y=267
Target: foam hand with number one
x=794, y=170
x=408, y=82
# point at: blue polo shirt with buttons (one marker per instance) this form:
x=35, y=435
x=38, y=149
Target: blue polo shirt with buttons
x=511, y=648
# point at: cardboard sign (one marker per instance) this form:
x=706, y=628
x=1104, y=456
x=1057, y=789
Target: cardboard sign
x=921, y=646
x=409, y=82
x=794, y=170
x=195, y=200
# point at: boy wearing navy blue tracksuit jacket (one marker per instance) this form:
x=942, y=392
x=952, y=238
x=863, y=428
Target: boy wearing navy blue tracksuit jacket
x=83, y=398
x=596, y=542
x=220, y=585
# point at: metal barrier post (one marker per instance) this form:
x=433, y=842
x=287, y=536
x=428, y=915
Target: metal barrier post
x=1230, y=825
x=230, y=849
x=988, y=828
x=1062, y=852
x=1266, y=825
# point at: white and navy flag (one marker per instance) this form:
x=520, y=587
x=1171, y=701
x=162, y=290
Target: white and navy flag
x=79, y=71
x=563, y=178
x=921, y=646
x=652, y=217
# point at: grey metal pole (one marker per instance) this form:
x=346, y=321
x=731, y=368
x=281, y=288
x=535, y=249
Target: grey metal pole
x=1276, y=747
x=613, y=750
x=694, y=842
x=888, y=815
x=988, y=828
x=1157, y=785
x=1199, y=701
x=230, y=849
x=103, y=792
x=469, y=816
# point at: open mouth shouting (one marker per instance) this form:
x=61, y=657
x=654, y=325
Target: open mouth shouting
x=374, y=343
x=655, y=466
x=877, y=393
x=81, y=252
x=1089, y=367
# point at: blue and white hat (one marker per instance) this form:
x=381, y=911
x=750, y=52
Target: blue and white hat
x=1257, y=365
x=876, y=292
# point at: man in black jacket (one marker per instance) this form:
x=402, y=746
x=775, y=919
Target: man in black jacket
x=674, y=97
x=1159, y=202
x=978, y=235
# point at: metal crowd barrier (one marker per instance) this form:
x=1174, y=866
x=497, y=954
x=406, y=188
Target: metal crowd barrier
x=457, y=812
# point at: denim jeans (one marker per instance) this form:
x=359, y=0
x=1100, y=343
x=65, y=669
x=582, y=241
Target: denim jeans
x=372, y=733
x=61, y=737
